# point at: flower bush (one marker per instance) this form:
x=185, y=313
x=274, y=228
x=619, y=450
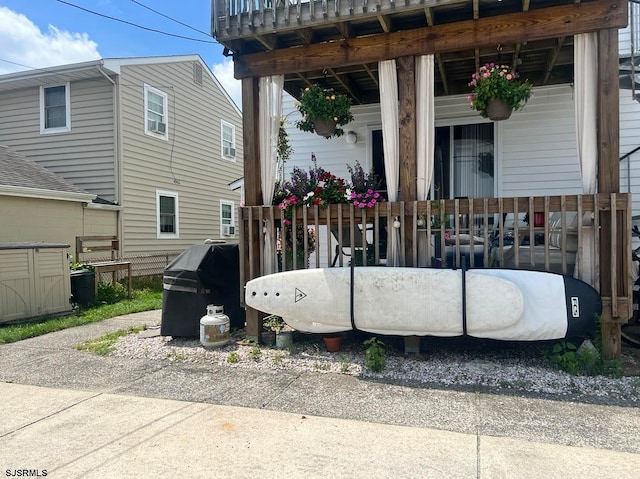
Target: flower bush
x=363, y=192
x=323, y=104
x=318, y=186
x=494, y=81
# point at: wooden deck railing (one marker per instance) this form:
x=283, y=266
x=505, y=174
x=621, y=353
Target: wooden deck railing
x=482, y=232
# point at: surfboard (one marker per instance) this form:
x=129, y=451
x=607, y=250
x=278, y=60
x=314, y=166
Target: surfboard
x=485, y=303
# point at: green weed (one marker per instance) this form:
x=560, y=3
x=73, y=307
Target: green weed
x=103, y=345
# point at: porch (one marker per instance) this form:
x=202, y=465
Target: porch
x=342, y=45
x=472, y=233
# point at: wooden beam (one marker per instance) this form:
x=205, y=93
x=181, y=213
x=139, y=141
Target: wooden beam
x=345, y=29
x=407, y=144
x=511, y=28
x=346, y=84
x=552, y=58
x=372, y=76
x=516, y=50
x=609, y=182
x=306, y=35
x=269, y=41
x=428, y=13
x=385, y=22
x=253, y=187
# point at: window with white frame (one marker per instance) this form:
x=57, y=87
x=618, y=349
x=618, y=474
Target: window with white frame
x=155, y=112
x=55, y=109
x=228, y=135
x=227, y=221
x=167, y=214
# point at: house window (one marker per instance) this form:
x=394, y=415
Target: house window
x=227, y=221
x=55, y=109
x=167, y=214
x=155, y=112
x=228, y=134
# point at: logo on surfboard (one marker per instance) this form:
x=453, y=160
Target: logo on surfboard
x=300, y=295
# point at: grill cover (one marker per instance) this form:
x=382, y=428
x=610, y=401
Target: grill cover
x=202, y=274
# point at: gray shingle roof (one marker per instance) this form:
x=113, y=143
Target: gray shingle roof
x=16, y=170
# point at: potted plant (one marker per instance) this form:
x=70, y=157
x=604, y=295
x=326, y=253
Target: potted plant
x=497, y=91
x=283, y=333
x=323, y=111
x=333, y=342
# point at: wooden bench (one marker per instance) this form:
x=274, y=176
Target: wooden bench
x=95, y=244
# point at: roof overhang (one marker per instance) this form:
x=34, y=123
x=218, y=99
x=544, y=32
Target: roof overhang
x=40, y=193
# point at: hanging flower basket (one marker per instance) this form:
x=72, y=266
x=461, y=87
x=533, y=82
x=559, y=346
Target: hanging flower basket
x=498, y=110
x=324, y=128
x=323, y=111
x=492, y=83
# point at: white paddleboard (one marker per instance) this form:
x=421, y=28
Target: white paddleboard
x=397, y=301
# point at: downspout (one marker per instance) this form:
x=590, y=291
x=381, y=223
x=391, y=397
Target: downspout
x=117, y=155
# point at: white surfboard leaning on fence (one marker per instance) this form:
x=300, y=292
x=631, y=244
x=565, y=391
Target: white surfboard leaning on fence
x=500, y=304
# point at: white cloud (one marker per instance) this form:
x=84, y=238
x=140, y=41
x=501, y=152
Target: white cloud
x=224, y=73
x=24, y=43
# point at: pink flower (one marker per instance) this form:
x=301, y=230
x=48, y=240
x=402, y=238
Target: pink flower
x=509, y=76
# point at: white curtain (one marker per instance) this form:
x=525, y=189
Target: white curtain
x=270, y=107
x=425, y=137
x=390, y=139
x=585, y=80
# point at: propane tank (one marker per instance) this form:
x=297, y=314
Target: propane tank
x=214, y=327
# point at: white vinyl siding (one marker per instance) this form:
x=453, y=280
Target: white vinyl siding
x=535, y=150
x=156, y=120
x=167, y=214
x=228, y=136
x=55, y=109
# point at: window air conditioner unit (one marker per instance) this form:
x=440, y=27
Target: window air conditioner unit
x=157, y=126
x=228, y=230
x=228, y=151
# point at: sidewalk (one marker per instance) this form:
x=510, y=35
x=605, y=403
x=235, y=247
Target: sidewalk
x=74, y=414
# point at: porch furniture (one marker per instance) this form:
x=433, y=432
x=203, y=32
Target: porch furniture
x=359, y=247
x=548, y=248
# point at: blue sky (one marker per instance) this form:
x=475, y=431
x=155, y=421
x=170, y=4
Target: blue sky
x=41, y=33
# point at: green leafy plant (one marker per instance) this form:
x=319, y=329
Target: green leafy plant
x=344, y=364
x=277, y=360
x=493, y=81
x=317, y=103
x=233, y=357
x=255, y=352
x=284, y=148
x=374, y=356
x=583, y=361
x=103, y=345
x=273, y=323
x=78, y=266
x=110, y=293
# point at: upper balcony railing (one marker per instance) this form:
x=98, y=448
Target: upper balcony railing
x=240, y=18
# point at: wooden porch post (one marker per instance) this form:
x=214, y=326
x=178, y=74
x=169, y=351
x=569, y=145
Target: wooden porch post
x=408, y=165
x=609, y=182
x=253, y=188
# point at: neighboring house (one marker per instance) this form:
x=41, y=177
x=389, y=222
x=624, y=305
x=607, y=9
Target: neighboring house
x=38, y=205
x=157, y=140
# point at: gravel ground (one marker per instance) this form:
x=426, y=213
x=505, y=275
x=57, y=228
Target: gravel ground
x=466, y=364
